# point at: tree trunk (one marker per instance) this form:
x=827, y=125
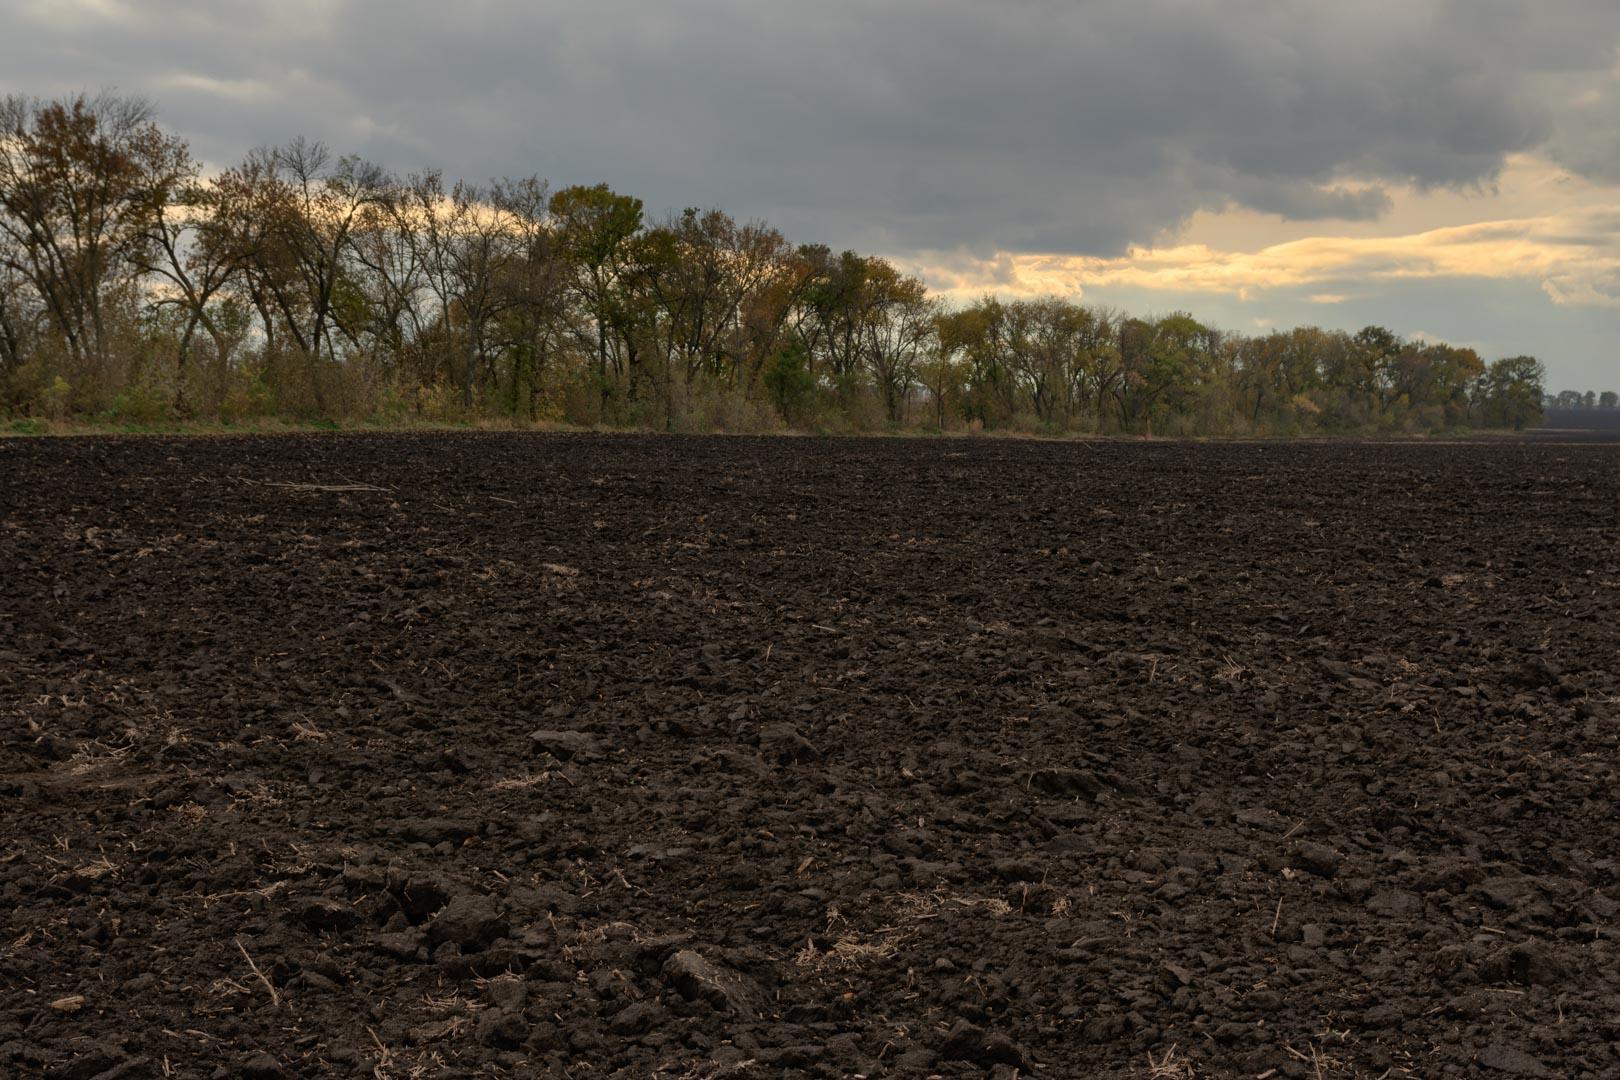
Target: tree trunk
x=313, y=352
x=472, y=360
x=601, y=362
x=183, y=353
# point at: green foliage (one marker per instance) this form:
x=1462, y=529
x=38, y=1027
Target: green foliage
x=250, y=397
x=54, y=398
x=791, y=386
x=139, y=405
x=1510, y=393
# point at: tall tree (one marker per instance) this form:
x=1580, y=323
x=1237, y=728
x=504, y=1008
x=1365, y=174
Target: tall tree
x=939, y=371
x=1164, y=362
x=1050, y=343
x=19, y=315
x=595, y=225
x=323, y=203
x=1512, y=390
x=197, y=251
x=536, y=318
x=469, y=246
x=1375, y=351
x=388, y=252
x=80, y=182
x=897, y=321
x=831, y=303
x=976, y=334
x=248, y=203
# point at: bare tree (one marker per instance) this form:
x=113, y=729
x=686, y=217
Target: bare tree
x=249, y=202
x=469, y=242
x=324, y=204
x=388, y=250
x=897, y=324
x=19, y=312
x=80, y=182
x=536, y=285
x=194, y=245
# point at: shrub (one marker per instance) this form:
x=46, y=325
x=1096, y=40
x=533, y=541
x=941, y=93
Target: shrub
x=791, y=386
x=54, y=398
x=139, y=404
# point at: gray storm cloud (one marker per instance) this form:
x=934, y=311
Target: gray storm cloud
x=1045, y=126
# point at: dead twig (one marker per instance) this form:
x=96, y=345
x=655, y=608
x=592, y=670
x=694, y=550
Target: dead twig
x=308, y=730
x=385, y=1056
x=1169, y=1067
x=275, y=998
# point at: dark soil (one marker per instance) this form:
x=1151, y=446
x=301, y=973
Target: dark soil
x=633, y=757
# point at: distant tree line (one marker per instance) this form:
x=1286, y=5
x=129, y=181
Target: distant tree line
x=1574, y=399
x=304, y=285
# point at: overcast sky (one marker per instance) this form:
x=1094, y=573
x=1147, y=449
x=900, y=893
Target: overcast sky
x=1448, y=168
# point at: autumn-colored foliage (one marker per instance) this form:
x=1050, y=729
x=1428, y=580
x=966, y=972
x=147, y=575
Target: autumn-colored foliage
x=304, y=285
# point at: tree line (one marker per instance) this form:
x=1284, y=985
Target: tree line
x=1574, y=399
x=301, y=284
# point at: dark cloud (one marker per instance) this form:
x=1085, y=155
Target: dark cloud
x=1025, y=125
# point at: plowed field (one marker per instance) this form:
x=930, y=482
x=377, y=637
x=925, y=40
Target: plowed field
x=461, y=755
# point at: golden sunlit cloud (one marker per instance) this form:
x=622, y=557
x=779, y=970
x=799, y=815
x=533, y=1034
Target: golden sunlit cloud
x=1574, y=256
x=1572, y=253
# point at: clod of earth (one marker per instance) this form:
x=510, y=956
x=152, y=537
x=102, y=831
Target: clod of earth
x=565, y=745
x=469, y=921
x=696, y=978
x=1512, y=1061
x=969, y=1042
